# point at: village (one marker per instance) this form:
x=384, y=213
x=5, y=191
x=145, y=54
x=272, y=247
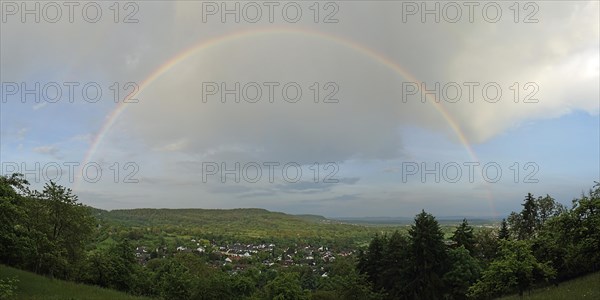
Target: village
x=237, y=257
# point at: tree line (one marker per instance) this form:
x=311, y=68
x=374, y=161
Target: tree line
x=545, y=243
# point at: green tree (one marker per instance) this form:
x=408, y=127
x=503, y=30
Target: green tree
x=515, y=269
x=533, y=216
x=567, y=238
x=503, y=233
x=396, y=258
x=286, y=286
x=547, y=208
x=175, y=281
x=486, y=245
x=345, y=282
x=45, y=232
x=215, y=284
x=586, y=213
x=571, y=240
x=243, y=285
x=122, y=265
x=308, y=279
x=70, y=224
x=464, y=271
x=550, y=246
x=98, y=268
x=529, y=214
x=463, y=236
x=371, y=262
x=524, y=224
x=14, y=241
x=428, y=259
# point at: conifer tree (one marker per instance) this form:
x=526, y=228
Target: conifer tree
x=503, y=234
x=463, y=236
x=428, y=261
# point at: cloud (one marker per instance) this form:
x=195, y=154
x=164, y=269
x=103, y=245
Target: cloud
x=22, y=133
x=259, y=194
x=175, y=146
x=87, y=138
x=40, y=106
x=365, y=123
x=349, y=180
x=47, y=149
x=391, y=170
x=311, y=187
x=234, y=189
x=341, y=198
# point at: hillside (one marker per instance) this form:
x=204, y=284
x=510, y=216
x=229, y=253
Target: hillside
x=34, y=287
x=203, y=217
x=251, y=223
x=586, y=287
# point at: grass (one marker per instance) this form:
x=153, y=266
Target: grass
x=32, y=286
x=586, y=287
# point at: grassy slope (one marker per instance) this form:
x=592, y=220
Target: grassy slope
x=587, y=287
x=33, y=286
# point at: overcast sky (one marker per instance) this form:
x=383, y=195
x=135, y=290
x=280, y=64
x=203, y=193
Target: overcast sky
x=357, y=108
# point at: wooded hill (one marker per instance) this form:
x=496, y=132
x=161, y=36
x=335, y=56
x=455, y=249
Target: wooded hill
x=243, y=224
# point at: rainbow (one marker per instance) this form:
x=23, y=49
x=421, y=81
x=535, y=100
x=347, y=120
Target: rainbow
x=220, y=40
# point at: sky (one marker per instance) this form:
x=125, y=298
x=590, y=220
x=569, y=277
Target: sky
x=340, y=108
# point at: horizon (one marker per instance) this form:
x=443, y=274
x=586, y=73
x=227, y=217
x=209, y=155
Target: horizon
x=329, y=217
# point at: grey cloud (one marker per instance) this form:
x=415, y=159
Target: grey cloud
x=47, y=149
x=229, y=188
x=259, y=194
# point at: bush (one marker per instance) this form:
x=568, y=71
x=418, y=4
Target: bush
x=8, y=288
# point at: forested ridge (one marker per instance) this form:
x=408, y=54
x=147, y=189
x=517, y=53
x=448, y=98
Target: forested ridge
x=51, y=233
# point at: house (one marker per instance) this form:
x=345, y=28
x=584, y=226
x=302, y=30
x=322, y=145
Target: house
x=328, y=257
x=141, y=251
x=142, y=254
x=450, y=243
